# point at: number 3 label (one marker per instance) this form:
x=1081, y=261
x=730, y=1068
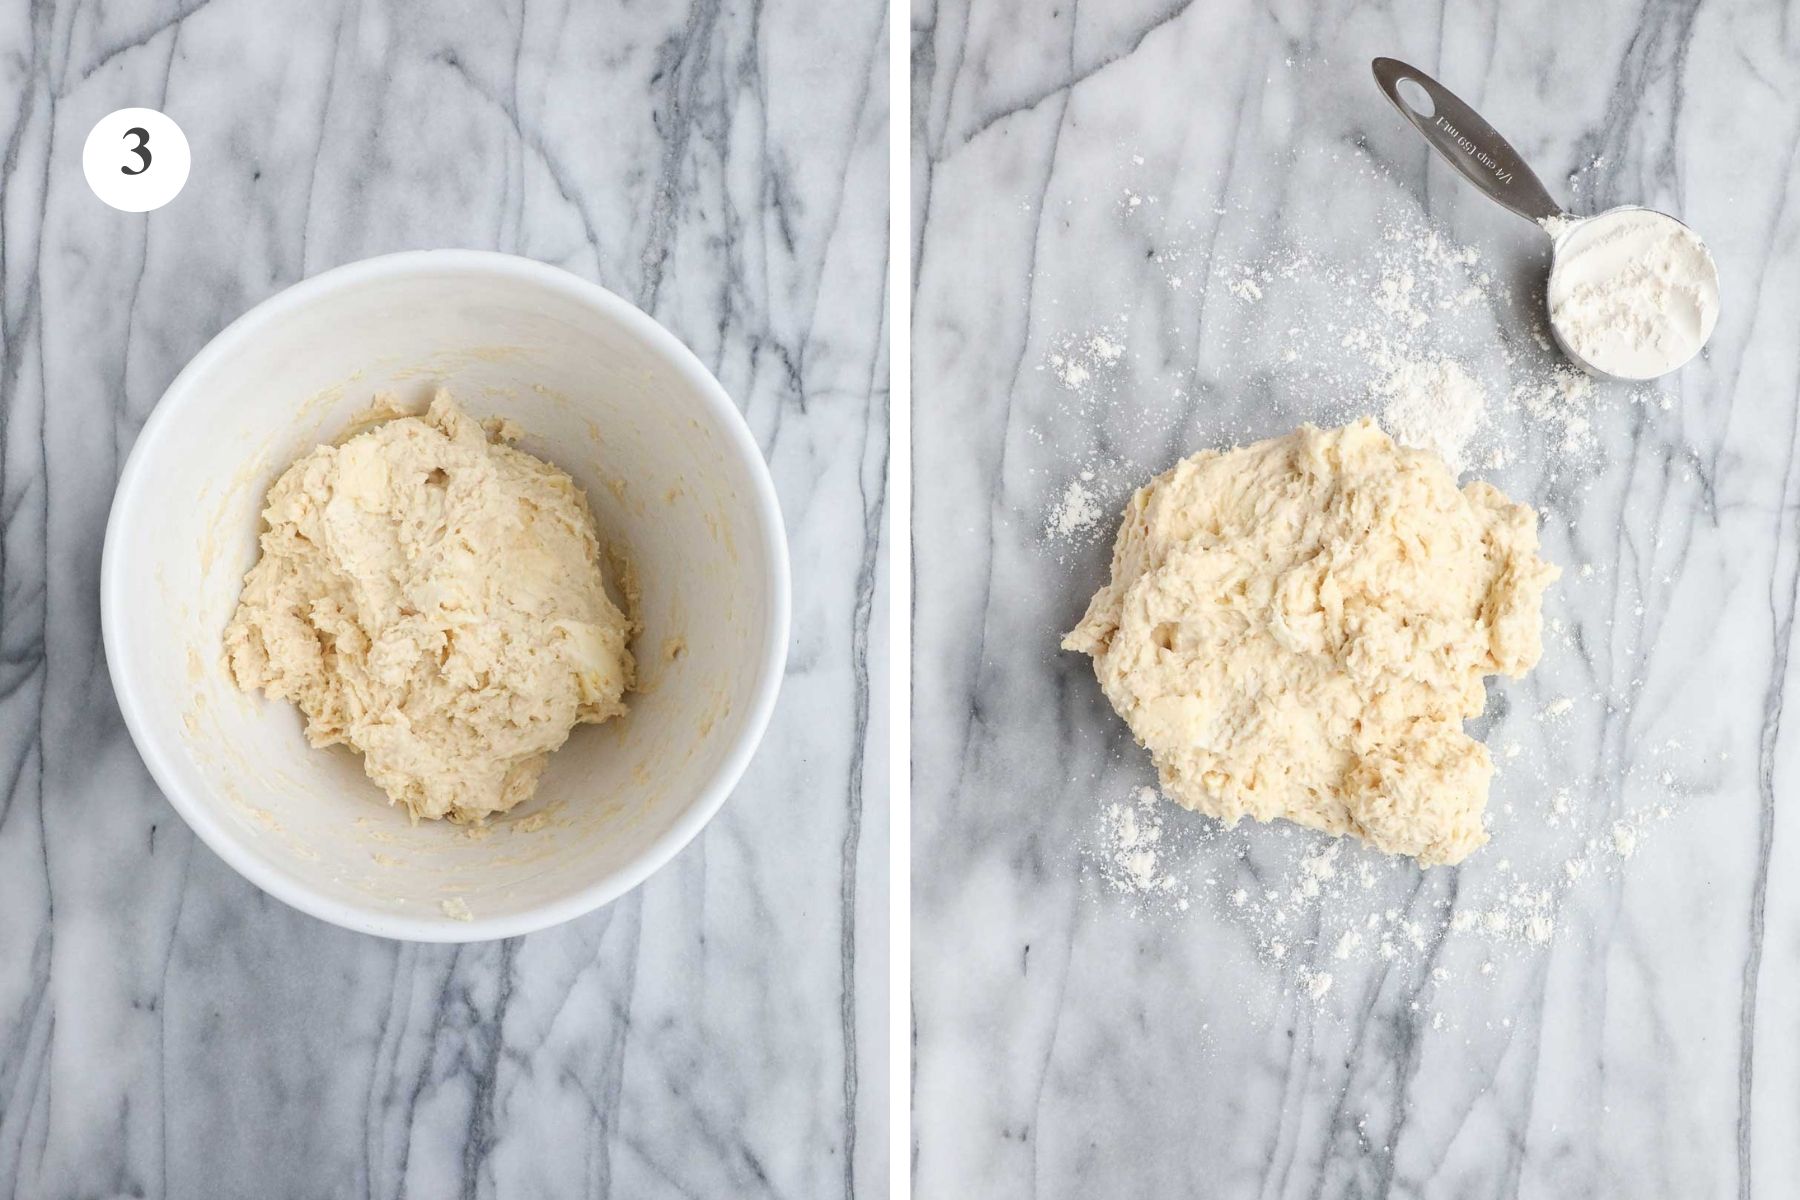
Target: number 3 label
x=142, y=150
x=135, y=159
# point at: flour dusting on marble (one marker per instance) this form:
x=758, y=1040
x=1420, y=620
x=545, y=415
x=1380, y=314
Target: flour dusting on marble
x=1131, y=856
x=1416, y=329
x=1078, y=363
x=1318, y=909
x=1078, y=510
x=1432, y=404
x=1410, y=334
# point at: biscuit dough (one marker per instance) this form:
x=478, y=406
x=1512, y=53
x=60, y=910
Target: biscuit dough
x=1297, y=628
x=432, y=596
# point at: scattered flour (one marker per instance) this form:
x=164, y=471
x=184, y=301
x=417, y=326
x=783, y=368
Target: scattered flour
x=1316, y=983
x=1105, y=348
x=1624, y=839
x=1408, y=335
x=1079, y=509
x=1561, y=400
x=1318, y=907
x=1244, y=285
x=1076, y=361
x=1132, y=850
x=1072, y=372
x=1432, y=404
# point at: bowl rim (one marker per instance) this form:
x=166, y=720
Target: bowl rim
x=290, y=889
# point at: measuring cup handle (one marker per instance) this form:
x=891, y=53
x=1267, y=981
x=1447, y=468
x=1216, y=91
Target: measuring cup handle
x=1469, y=143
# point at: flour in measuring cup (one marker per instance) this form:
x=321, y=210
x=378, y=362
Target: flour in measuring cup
x=1633, y=292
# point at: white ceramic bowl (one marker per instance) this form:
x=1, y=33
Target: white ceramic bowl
x=600, y=390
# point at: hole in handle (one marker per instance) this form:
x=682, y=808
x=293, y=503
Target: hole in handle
x=1412, y=93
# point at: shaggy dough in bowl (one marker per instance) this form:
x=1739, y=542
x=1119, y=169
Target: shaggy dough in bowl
x=432, y=596
x=1297, y=628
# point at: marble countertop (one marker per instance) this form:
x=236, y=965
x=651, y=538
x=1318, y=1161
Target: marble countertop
x=166, y=1029
x=1146, y=229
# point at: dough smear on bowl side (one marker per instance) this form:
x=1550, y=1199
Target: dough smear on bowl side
x=1297, y=628
x=432, y=596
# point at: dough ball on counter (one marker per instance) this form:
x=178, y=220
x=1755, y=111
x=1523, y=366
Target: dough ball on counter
x=1297, y=628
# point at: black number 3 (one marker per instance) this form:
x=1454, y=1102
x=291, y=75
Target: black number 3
x=142, y=150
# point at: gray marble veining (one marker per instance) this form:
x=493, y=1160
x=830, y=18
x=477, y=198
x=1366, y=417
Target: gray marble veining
x=1069, y=1043
x=167, y=1030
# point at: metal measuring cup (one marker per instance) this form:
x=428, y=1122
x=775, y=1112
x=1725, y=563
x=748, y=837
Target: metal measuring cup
x=1485, y=159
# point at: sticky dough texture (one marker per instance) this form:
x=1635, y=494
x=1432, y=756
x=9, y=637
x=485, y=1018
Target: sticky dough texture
x=1297, y=629
x=431, y=596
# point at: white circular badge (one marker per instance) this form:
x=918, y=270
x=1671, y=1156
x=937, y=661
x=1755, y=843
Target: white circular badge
x=135, y=159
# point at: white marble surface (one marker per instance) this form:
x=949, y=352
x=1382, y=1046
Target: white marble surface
x=165, y=1029
x=1072, y=1041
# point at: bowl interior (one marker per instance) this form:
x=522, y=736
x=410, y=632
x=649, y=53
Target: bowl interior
x=674, y=484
